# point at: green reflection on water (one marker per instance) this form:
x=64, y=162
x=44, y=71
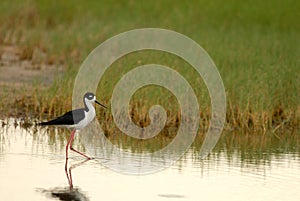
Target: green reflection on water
x=250, y=149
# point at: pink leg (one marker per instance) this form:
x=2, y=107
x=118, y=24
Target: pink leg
x=70, y=142
x=71, y=146
x=67, y=148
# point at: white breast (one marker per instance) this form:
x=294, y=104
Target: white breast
x=89, y=116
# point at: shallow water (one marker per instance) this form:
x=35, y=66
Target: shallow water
x=32, y=167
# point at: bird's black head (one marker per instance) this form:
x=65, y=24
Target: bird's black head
x=91, y=98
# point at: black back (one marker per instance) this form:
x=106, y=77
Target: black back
x=69, y=118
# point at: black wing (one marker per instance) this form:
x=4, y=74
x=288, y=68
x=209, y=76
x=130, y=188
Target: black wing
x=69, y=118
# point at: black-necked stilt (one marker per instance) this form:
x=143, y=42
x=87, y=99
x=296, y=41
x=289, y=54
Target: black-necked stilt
x=76, y=119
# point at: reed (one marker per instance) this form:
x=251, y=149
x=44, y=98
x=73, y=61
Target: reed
x=254, y=46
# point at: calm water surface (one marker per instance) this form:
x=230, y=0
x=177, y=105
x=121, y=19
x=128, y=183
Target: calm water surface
x=32, y=167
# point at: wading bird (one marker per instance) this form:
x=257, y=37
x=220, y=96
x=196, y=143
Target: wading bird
x=76, y=120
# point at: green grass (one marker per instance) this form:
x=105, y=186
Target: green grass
x=255, y=45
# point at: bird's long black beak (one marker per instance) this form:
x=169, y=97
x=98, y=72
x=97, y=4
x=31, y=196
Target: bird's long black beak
x=100, y=104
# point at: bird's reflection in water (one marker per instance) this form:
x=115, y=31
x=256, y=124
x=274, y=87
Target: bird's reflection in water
x=69, y=171
x=67, y=193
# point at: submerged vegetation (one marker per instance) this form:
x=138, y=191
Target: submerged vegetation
x=255, y=46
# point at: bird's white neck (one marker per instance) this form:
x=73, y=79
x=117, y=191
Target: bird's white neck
x=89, y=105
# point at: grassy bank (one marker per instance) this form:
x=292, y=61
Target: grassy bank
x=254, y=44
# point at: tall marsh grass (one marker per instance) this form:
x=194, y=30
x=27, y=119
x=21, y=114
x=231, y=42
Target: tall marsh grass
x=255, y=45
